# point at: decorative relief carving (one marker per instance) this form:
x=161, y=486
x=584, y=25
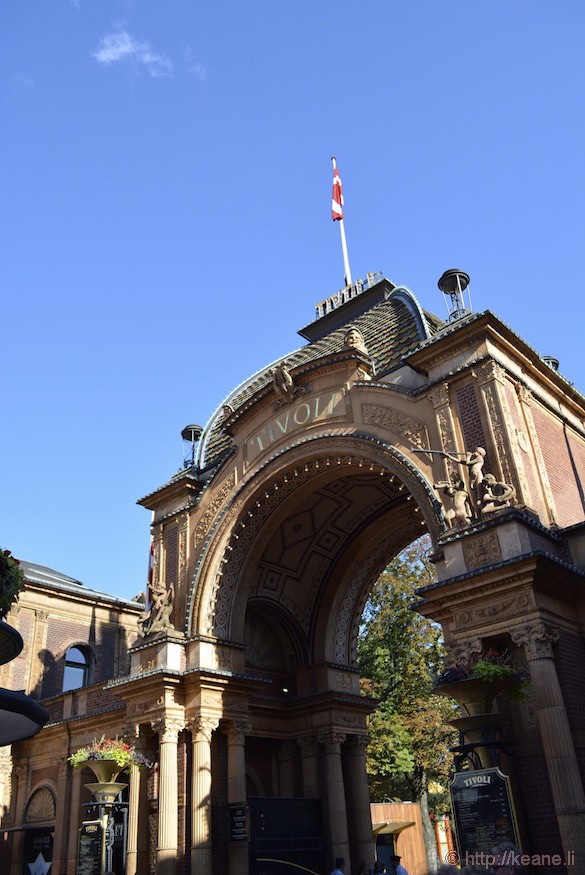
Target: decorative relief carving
x=510, y=607
x=461, y=652
x=210, y=512
x=439, y=395
x=482, y=550
x=537, y=639
x=413, y=429
x=137, y=709
x=491, y=400
x=492, y=370
x=225, y=659
x=524, y=394
x=342, y=681
x=367, y=569
x=183, y=528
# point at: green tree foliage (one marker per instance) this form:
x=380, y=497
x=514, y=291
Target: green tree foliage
x=399, y=655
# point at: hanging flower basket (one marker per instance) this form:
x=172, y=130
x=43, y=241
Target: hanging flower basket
x=107, y=758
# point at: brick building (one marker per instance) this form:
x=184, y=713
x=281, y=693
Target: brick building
x=240, y=681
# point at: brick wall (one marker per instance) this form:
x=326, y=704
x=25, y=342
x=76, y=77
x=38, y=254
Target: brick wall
x=470, y=421
x=564, y=458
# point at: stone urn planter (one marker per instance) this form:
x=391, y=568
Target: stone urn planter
x=106, y=792
x=106, y=771
x=476, y=695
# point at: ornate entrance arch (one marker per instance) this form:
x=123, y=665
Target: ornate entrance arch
x=308, y=478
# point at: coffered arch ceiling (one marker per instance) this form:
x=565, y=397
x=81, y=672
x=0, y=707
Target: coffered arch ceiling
x=310, y=541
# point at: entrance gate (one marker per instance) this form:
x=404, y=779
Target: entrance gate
x=286, y=836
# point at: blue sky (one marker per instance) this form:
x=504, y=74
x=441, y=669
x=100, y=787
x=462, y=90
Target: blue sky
x=166, y=230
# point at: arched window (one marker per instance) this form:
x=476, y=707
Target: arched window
x=77, y=668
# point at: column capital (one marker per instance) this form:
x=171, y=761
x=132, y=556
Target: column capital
x=236, y=730
x=492, y=370
x=167, y=728
x=439, y=394
x=331, y=740
x=537, y=639
x=202, y=728
x=359, y=743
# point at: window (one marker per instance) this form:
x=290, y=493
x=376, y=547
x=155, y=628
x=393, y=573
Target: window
x=76, y=674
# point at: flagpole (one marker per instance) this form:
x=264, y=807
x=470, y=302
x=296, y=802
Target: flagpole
x=343, y=240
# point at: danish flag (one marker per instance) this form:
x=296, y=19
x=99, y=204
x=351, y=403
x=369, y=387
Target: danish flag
x=337, y=200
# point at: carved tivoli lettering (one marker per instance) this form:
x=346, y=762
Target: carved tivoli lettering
x=301, y=415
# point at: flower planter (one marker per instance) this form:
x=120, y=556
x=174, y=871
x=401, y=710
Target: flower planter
x=106, y=771
x=476, y=695
x=106, y=792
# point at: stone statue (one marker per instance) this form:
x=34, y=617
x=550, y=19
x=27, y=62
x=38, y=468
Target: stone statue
x=459, y=514
x=158, y=617
x=474, y=461
x=283, y=384
x=496, y=495
x=354, y=339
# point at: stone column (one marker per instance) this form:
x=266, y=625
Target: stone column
x=136, y=794
x=359, y=792
x=286, y=754
x=201, y=729
x=76, y=816
x=19, y=776
x=236, y=736
x=62, y=817
x=337, y=810
x=168, y=789
x=559, y=752
x=308, y=746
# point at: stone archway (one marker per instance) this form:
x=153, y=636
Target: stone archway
x=309, y=477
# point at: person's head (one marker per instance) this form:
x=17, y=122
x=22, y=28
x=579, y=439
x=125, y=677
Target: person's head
x=339, y=862
x=354, y=339
x=379, y=866
x=395, y=859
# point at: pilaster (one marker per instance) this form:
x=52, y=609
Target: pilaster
x=537, y=639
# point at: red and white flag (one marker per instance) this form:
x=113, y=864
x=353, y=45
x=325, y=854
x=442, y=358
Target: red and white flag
x=337, y=200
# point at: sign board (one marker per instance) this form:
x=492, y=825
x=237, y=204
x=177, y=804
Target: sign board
x=238, y=823
x=483, y=813
x=89, y=861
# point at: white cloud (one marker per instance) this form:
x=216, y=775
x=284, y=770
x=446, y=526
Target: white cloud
x=193, y=65
x=120, y=46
